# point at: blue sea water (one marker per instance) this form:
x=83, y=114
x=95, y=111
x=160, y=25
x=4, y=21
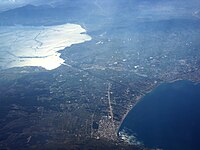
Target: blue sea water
x=168, y=117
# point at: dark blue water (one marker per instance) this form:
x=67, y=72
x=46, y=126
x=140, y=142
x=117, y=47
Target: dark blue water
x=168, y=117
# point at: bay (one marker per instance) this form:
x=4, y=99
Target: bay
x=167, y=118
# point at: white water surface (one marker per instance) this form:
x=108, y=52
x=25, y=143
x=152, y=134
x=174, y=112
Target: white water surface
x=22, y=46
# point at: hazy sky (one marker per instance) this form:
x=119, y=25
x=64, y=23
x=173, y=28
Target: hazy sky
x=9, y=4
x=145, y=8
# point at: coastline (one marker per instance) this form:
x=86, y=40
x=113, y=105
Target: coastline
x=39, y=46
x=139, y=98
x=127, y=112
x=179, y=96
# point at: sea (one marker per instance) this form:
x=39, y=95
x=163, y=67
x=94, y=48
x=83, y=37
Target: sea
x=167, y=118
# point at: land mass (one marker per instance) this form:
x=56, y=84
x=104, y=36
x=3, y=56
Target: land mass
x=82, y=101
x=88, y=97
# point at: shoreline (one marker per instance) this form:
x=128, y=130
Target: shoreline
x=40, y=46
x=139, y=98
x=127, y=112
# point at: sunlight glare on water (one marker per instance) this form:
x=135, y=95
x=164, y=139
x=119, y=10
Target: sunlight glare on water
x=22, y=46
